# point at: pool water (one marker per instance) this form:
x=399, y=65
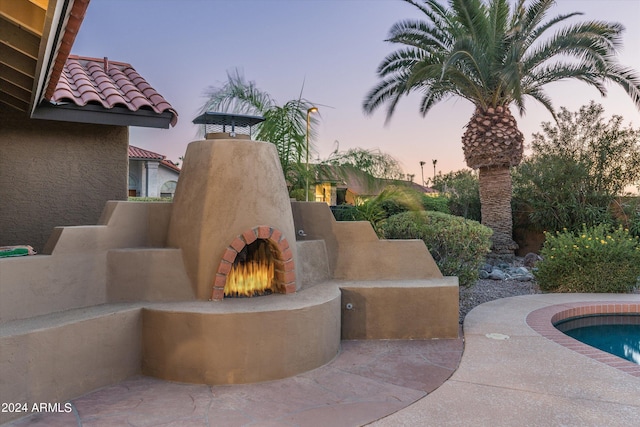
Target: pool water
x=615, y=334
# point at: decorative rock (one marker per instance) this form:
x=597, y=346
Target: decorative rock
x=531, y=259
x=505, y=271
x=497, y=274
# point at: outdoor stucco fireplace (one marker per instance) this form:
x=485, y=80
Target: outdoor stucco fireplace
x=232, y=215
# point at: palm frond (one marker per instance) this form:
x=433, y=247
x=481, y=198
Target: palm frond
x=492, y=54
x=237, y=96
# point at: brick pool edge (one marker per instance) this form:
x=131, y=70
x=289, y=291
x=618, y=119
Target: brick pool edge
x=542, y=321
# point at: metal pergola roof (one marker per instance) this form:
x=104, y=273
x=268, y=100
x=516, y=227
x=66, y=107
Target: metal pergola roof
x=218, y=122
x=226, y=119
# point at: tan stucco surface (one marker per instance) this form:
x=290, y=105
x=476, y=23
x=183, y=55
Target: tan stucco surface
x=57, y=357
x=313, y=262
x=407, y=309
x=226, y=187
x=75, y=273
x=147, y=274
x=55, y=174
x=354, y=251
x=265, y=339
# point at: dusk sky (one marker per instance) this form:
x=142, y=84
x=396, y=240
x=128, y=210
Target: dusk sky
x=333, y=47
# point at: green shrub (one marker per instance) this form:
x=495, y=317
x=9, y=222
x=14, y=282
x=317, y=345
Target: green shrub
x=410, y=200
x=578, y=167
x=634, y=224
x=393, y=207
x=346, y=213
x=299, y=194
x=597, y=259
x=457, y=245
x=435, y=203
x=462, y=191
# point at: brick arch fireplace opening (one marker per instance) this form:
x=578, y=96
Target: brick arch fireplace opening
x=245, y=248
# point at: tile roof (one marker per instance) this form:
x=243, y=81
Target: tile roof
x=141, y=153
x=169, y=164
x=361, y=183
x=138, y=153
x=108, y=84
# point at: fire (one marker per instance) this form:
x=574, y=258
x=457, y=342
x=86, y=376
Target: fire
x=252, y=277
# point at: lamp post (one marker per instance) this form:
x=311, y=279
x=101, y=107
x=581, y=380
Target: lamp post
x=309, y=111
x=422, y=170
x=434, y=168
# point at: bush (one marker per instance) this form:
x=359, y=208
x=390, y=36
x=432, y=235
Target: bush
x=634, y=224
x=435, y=203
x=462, y=191
x=413, y=200
x=597, y=259
x=346, y=213
x=458, y=246
x=299, y=194
x=578, y=166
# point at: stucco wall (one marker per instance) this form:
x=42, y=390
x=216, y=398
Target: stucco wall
x=227, y=187
x=354, y=252
x=56, y=174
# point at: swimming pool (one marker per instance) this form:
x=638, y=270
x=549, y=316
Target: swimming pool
x=543, y=320
x=616, y=334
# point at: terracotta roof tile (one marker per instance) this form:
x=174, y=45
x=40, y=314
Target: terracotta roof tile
x=110, y=84
x=141, y=153
x=169, y=164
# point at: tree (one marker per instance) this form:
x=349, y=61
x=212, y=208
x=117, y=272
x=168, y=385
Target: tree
x=578, y=167
x=461, y=188
x=372, y=162
x=494, y=56
x=285, y=125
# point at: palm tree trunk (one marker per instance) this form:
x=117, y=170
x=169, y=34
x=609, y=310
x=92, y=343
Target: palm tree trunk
x=495, y=200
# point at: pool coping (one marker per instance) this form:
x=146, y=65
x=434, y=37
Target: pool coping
x=542, y=320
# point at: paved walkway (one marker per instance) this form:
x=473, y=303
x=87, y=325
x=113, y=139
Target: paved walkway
x=509, y=375
x=366, y=381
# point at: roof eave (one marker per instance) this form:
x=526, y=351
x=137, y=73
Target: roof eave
x=62, y=23
x=118, y=116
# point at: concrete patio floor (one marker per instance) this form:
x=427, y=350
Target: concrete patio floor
x=525, y=379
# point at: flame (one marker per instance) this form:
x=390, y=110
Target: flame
x=252, y=277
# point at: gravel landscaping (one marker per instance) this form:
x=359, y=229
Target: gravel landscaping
x=486, y=290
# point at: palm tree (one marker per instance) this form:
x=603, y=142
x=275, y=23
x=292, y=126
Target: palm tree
x=285, y=125
x=495, y=56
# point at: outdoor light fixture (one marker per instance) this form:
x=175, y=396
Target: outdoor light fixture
x=309, y=111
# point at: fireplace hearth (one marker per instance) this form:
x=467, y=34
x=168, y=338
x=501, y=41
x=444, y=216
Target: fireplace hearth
x=230, y=199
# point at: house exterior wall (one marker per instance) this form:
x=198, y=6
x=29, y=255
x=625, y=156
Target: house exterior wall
x=136, y=177
x=56, y=174
x=326, y=192
x=165, y=175
x=158, y=176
